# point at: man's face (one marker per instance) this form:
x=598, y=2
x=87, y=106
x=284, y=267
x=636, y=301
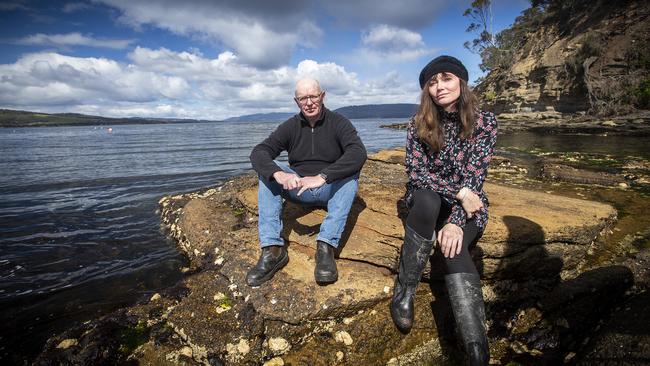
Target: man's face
x=310, y=100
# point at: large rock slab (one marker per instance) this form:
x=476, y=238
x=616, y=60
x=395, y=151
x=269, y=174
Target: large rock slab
x=213, y=317
x=529, y=234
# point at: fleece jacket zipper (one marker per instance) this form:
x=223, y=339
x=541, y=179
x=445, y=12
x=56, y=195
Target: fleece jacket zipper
x=312, y=141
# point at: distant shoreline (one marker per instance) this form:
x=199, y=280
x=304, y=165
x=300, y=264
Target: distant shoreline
x=17, y=118
x=103, y=123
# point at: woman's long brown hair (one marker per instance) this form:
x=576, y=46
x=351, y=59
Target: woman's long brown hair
x=427, y=119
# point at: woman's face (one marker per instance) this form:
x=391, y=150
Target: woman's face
x=444, y=89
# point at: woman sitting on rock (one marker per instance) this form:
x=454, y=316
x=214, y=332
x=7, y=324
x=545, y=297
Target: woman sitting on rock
x=449, y=144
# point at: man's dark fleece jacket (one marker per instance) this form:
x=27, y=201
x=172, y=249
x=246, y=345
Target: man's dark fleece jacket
x=331, y=147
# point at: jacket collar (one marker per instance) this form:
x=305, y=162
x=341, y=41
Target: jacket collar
x=447, y=116
x=323, y=114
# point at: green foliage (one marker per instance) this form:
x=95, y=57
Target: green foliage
x=591, y=45
x=226, y=303
x=498, y=51
x=539, y=3
x=134, y=337
x=490, y=95
x=638, y=57
x=567, y=14
x=638, y=60
x=642, y=95
x=480, y=14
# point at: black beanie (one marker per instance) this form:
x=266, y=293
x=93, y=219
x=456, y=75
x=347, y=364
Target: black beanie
x=443, y=64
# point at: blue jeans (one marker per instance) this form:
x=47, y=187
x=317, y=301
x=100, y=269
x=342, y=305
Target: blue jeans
x=337, y=196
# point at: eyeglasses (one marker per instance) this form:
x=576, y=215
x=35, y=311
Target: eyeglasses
x=305, y=99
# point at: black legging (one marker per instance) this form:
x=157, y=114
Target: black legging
x=428, y=212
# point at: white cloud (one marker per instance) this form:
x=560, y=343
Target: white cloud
x=385, y=37
x=73, y=39
x=51, y=78
x=259, y=39
x=225, y=79
x=164, y=83
x=12, y=5
x=73, y=7
x=384, y=43
x=332, y=77
x=263, y=33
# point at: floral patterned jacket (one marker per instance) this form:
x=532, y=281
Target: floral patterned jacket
x=460, y=163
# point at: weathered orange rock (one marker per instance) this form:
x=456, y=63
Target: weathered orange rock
x=216, y=316
x=529, y=234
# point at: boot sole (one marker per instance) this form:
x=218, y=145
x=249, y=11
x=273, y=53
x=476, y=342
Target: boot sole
x=321, y=280
x=270, y=275
x=402, y=326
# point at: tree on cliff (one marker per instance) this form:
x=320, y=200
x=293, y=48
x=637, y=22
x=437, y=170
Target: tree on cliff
x=602, y=66
x=497, y=51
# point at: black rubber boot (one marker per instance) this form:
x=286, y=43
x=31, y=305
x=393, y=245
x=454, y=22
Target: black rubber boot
x=416, y=251
x=272, y=259
x=467, y=303
x=325, y=271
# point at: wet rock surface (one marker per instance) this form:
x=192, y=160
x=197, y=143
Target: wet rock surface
x=539, y=292
x=634, y=124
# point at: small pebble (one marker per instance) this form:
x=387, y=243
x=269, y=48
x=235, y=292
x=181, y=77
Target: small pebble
x=279, y=345
x=186, y=351
x=343, y=336
x=67, y=343
x=275, y=361
x=339, y=356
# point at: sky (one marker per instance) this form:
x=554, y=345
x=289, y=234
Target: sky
x=215, y=59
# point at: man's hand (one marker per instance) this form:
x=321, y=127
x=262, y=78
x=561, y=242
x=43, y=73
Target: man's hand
x=470, y=201
x=450, y=239
x=310, y=182
x=287, y=180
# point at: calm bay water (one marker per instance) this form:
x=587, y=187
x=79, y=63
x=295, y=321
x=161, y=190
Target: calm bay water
x=79, y=231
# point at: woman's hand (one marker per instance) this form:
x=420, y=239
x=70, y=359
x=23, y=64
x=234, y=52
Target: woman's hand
x=470, y=201
x=450, y=239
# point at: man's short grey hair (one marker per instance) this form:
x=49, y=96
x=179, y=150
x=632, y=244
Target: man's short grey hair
x=307, y=82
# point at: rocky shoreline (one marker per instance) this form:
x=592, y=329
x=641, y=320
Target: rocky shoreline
x=544, y=298
x=635, y=124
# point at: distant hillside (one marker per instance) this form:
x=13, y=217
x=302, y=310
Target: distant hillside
x=12, y=118
x=262, y=117
x=403, y=110
x=352, y=112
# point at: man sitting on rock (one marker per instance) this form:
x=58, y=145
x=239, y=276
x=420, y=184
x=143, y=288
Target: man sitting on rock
x=325, y=158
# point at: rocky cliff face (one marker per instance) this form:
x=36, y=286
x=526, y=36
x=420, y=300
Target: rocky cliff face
x=588, y=57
